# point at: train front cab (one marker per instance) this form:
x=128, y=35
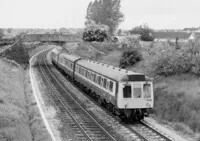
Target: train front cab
x=135, y=97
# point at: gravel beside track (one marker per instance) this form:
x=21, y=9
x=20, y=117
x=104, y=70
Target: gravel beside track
x=149, y=132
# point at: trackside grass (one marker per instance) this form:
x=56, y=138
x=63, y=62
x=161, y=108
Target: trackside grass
x=20, y=119
x=13, y=115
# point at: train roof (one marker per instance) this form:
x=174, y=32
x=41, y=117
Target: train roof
x=70, y=56
x=106, y=70
x=111, y=71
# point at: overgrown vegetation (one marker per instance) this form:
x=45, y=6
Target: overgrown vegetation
x=19, y=53
x=95, y=32
x=147, y=34
x=178, y=107
x=130, y=57
x=175, y=63
x=185, y=60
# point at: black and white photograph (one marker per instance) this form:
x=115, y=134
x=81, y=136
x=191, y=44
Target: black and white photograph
x=99, y=70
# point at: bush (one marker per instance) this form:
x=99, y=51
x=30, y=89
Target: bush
x=130, y=42
x=130, y=57
x=95, y=32
x=147, y=34
x=175, y=63
x=197, y=137
x=183, y=128
x=177, y=107
x=185, y=60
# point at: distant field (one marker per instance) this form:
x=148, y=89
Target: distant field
x=172, y=35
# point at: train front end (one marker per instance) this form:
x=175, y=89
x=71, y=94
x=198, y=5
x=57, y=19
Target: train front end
x=135, y=96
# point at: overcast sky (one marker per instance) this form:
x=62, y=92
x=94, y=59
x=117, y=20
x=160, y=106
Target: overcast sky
x=158, y=14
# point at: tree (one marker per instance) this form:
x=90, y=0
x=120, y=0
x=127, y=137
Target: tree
x=9, y=30
x=106, y=12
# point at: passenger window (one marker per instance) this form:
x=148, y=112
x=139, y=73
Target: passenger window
x=94, y=78
x=137, y=91
x=71, y=66
x=83, y=72
x=86, y=73
x=111, y=86
x=66, y=62
x=88, y=76
x=91, y=76
x=127, y=91
x=99, y=80
x=80, y=69
x=105, y=83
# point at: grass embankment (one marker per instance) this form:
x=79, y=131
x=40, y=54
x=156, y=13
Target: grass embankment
x=14, y=121
x=176, y=87
x=20, y=119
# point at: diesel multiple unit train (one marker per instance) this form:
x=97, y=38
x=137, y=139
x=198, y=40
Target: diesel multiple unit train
x=126, y=93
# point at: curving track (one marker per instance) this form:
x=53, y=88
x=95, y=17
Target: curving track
x=83, y=124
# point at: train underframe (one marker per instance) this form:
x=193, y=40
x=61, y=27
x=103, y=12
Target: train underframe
x=126, y=115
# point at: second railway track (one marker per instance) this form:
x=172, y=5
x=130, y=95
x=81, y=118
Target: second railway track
x=82, y=123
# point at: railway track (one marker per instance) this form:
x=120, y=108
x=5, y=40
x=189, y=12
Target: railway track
x=149, y=132
x=142, y=129
x=84, y=125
